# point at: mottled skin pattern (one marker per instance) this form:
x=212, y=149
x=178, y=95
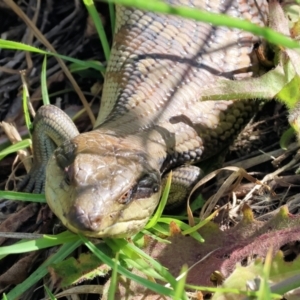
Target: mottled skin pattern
x=107, y=182
x=157, y=68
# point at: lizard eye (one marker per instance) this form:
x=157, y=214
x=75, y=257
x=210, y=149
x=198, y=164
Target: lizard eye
x=148, y=185
x=125, y=198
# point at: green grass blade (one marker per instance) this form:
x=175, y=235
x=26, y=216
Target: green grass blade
x=183, y=226
x=112, y=17
x=113, y=280
x=10, y=195
x=38, y=244
x=179, y=290
x=26, y=100
x=138, y=259
x=89, y=4
x=286, y=138
x=15, y=147
x=44, y=87
x=200, y=224
x=121, y=270
x=4, y=44
x=162, y=203
x=264, y=291
x=48, y=292
x=39, y=273
x=212, y=18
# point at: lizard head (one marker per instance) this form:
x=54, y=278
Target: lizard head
x=101, y=186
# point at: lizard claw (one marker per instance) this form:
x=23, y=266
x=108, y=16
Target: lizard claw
x=34, y=181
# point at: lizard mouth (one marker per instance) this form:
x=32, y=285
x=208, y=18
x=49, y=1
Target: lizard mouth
x=100, y=226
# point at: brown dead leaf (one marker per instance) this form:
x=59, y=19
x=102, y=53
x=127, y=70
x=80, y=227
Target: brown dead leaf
x=14, y=137
x=15, y=220
x=18, y=272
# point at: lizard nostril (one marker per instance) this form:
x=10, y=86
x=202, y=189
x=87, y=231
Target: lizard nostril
x=69, y=174
x=81, y=221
